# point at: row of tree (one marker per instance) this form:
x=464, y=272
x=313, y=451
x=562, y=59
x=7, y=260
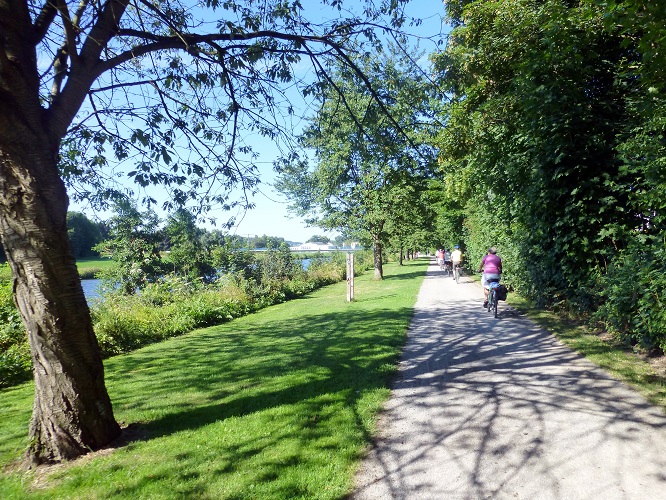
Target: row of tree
x=554, y=150
x=540, y=131
x=364, y=165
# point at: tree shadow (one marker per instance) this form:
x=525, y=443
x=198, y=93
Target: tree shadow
x=351, y=353
x=497, y=408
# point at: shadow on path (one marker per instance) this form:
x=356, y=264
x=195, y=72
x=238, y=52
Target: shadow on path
x=498, y=408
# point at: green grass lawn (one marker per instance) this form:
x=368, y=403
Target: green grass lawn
x=278, y=404
x=88, y=268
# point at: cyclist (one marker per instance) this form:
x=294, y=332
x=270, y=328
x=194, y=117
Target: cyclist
x=456, y=258
x=491, y=265
x=447, y=260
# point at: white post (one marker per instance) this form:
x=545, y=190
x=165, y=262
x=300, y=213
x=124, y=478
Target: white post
x=350, y=277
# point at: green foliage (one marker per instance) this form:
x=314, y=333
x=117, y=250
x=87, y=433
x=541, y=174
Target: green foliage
x=168, y=307
x=174, y=304
x=553, y=151
x=187, y=254
x=15, y=359
x=133, y=246
x=318, y=239
x=634, y=296
x=83, y=234
x=276, y=405
x=229, y=259
x=367, y=164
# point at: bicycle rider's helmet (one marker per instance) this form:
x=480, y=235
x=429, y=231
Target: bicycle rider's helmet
x=456, y=246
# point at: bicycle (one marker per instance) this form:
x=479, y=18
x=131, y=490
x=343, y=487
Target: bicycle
x=493, y=284
x=448, y=268
x=457, y=272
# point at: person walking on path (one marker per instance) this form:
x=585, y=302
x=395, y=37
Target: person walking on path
x=499, y=409
x=456, y=257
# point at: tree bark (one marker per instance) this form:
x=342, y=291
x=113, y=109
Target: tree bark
x=377, y=250
x=72, y=411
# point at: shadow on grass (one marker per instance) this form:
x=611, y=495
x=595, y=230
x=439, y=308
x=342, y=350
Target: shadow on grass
x=243, y=372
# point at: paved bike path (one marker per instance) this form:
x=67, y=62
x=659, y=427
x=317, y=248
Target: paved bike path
x=487, y=408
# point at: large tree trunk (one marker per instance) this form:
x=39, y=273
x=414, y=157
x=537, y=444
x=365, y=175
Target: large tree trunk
x=377, y=253
x=72, y=412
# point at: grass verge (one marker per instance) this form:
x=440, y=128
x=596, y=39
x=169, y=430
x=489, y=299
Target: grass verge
x=89, y=268
x=647, y=375
x=278, y=404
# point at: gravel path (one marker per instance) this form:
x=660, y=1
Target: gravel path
x=489, y=408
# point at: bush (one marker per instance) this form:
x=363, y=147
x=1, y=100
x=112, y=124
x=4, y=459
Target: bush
x=174, y=305
x=14, y=348
x=633, y=299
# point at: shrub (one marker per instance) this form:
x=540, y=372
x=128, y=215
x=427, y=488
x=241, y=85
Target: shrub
x=173, y=305
x=633, y=301
x=14, y=347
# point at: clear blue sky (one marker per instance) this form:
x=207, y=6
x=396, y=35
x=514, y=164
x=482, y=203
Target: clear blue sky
x=270, y=216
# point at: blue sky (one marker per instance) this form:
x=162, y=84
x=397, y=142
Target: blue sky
x=270, y=216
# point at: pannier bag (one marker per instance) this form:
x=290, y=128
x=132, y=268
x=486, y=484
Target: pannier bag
x=501, y=292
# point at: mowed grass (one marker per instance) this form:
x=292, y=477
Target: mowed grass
x=278, y=404
x=88, y=268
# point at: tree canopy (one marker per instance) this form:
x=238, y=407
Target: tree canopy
x=553, y=150
x=162, y=93
x=365, y=153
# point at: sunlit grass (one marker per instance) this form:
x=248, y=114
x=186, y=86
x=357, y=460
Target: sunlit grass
x=278, y=404
x=89, y=268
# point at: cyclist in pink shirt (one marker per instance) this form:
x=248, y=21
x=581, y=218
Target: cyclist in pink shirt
x=491, y=265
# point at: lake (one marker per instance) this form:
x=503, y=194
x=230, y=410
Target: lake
x=90, y=289
x=90, y=286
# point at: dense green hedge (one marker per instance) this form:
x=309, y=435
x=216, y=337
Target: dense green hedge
x=554, y=152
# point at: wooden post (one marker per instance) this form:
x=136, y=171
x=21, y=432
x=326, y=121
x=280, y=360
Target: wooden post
x=350, y=277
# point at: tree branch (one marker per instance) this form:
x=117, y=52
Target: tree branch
x=44, y=20
x=185, y=41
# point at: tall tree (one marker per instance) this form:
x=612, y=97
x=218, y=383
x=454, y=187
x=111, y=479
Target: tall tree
x=133, y=245
x=187, y=253
x=83, y=233
x=531, y=137
x=165, y=86
x=362, y=155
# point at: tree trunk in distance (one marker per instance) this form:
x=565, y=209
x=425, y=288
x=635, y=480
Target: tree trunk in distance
x=377, y=251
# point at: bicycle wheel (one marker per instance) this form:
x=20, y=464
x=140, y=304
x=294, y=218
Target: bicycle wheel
x=494, y=303
x=457, y=271
x=489, y=302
